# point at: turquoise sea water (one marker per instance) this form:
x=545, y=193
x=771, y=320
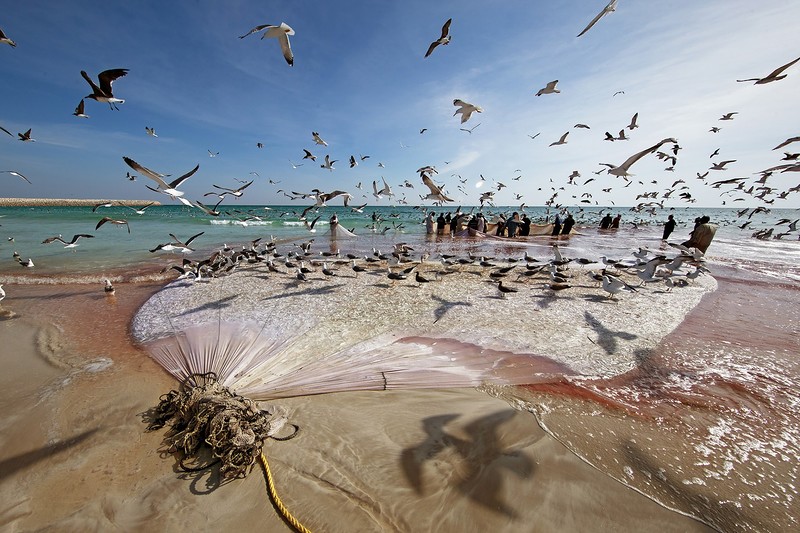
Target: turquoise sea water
x=114, y=251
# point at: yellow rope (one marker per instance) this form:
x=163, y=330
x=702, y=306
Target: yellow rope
x=273, y=494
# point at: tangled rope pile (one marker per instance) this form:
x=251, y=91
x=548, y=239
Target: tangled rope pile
x=207, y=413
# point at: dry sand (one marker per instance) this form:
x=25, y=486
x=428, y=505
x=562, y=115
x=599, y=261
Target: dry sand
x=76, y=457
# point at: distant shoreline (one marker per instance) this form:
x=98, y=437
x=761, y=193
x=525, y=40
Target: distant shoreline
x=55, y=202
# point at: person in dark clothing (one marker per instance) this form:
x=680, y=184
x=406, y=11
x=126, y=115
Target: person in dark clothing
x=525, y=227
x=605, y=223
x=568, y=223
x=440, y=224
x=615, y=222
x=557, y=224
x=454, y=223
x=512, y=223
x=669, y=227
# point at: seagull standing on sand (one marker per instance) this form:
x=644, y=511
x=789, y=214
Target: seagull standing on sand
x=550, y=88
x=444, y=39
x=612, y=285
x=610, y=8
x=281, y=33
x=102, y=93
x=466, y=109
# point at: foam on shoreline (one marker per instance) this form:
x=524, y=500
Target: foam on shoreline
x=69, y=202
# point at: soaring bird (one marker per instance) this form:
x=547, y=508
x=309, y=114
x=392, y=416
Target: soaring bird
x=550, y=88
x=79, y=110
x=328, y=163
x=177, y=244
x=622, y=170
x=386, y=191
x=170, y=189
x=318, y=139
x=788, y=141
x=610, y=8
x=562, y=140
x=281, y=32
x=226, y=191
x=444, y=39
x=150, y=131
x=71, y=244
x=26, y=137
x=436, y=192
x=103, y=93
x=728, y=116
x=309, y=155
x=4, y=39
x=775, y=75
x=120, y=222
x=633, y=123
x=466, y=109
x=720, y=165
x=15, y=173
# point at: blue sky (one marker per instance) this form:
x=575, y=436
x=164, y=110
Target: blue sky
x=360, y=80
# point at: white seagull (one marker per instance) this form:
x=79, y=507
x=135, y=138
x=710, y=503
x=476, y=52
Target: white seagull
x=15, y=173
x=282, y=33
x=71, y=244
x=466, y=109
x=610, y=8
x=550, y=88
x=622, y=170
x=6, y=40
x=170, y=189
x=79, y=110
x=386, y=191
x=318, y=139
x=562, y=140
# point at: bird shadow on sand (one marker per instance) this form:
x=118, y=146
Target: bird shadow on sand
x=216, y=305
x=480, y=460
x=28, y=459
x=606, y=338
x=317, y=290
x=444, y=306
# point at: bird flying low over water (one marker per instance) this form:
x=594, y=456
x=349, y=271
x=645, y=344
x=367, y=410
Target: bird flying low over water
x=71, y=244
x=226, y=191
x=118, y=222
x=444, y=39
x=466, y=109
x=775, y=75
x=170, y=189
x=177, y=244
x=103, y=93
x=550, y=88
x=281, y=33
x=610, y=8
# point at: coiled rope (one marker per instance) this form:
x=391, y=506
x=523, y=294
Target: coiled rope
x=276, y=500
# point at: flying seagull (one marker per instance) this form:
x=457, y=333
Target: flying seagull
x=466, y=109
x=150, y=131
x=444, y=39
x=79, y=110
x=550, y=88
x=309, y=155
x=633, y=123
x=436, y=191
x=386, y=191
x=610, y=8
x=26, y=137
x=328, y=163
x=282, y=33
x=233, y=192
x=103, y=92
x=775, y=75
x=622, y=170
x=562, y=140
x=170, y=189
x=118, y=222
x=4, y=39
x=71, y=244
x=176, y=244
x=788, y=141
x=318, y=139
x=14, y=173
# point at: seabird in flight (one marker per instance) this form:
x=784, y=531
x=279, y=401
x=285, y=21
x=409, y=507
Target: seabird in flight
x=4, y=39
x=550, y=88
x=466, y=109
x=79, y=110
x=610, y=8
x=14, y=173
x=775, y=75
x=282, y=33
x=171, y=188
x=102, y=93
x=71, y=244
x=119, y=222
x=444, y=39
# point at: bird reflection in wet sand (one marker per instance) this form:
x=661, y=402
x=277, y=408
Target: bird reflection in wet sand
x=477, y=471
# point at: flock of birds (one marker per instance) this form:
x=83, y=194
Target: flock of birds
x=300, y=264
x=736, y=189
